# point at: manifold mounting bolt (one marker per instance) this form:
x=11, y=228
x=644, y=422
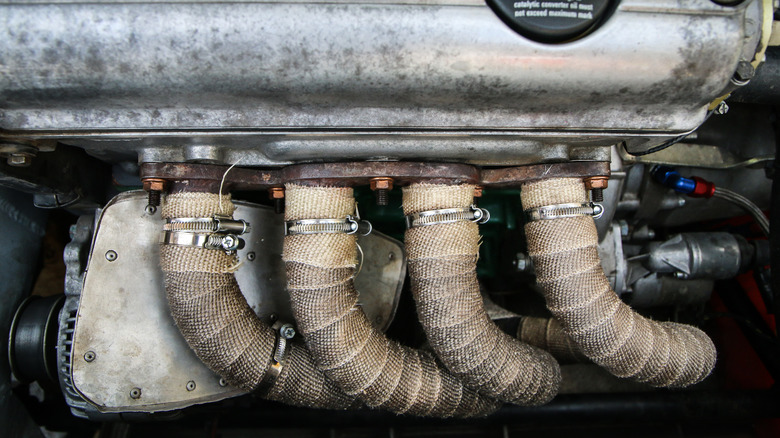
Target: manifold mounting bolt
x=596, y=185
x=381, y=187
x=277, y=194
x=155, y=187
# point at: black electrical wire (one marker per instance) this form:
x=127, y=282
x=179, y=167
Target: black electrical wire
x=667, y=143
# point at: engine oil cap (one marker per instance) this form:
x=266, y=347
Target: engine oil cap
x=552, y=21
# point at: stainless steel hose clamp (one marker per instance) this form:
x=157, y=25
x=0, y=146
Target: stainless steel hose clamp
x=559, y=211
x=349, y=225
x=216, y=232
x=447, y=216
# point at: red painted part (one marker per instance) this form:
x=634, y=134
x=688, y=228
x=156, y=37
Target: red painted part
x=748, y=283
x=703, y=188
x=738, y=364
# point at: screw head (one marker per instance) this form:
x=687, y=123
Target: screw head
x=111, y=255
x=89, y=356
x=135, y=393
x=150, y=210
x=250, y=256
x=287, y=331
x=222, y=382
x=230, y=242
x=191, y=385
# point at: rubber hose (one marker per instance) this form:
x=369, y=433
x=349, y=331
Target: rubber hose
x=610, y=333
x=220, y=327
x=381, y=372
x=443, y=271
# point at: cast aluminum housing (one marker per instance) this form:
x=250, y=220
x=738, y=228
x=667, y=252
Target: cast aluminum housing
x=278, y=82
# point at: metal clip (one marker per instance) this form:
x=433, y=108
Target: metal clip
x=448, y=216
x=559, y=211
x=349, y=225
x=215, y=224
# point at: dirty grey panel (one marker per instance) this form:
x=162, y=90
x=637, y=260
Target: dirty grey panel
x=125, y=339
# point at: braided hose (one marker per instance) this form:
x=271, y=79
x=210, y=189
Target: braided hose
x=220, y=327
x=443, y=270
x=610, y=333
x=381, y=372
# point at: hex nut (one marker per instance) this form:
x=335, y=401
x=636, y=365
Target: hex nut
x=154, y=184
x=596, y=182
x=276, y=193
x=381, y=183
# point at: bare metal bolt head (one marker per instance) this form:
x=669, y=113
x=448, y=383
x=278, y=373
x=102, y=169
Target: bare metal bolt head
x=381, y=183
x=287, y=331
x=111, y=255
x=89, y=356
x=722, y=108
x=19, y=160
x=478, y=191
x=191, y=385
x=135, y=393
x=744, y=73
x=681, y=275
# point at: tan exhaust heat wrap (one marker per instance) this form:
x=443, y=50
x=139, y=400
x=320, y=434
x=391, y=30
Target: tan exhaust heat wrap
x=381, y=372
x=609, y=332
x=219, y=326
x=443, y=271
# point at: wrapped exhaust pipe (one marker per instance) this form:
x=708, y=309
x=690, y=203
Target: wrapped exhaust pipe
x=321, y=262
x=442, y=256
x=563, y=246
x=221, y=328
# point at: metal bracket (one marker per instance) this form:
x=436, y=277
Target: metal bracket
x=350, y=225
x=559, y=211
x=448, y=216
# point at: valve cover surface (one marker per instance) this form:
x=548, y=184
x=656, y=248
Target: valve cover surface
x=279, y=82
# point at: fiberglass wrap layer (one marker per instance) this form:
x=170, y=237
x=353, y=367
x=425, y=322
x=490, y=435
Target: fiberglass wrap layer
x=609, y=332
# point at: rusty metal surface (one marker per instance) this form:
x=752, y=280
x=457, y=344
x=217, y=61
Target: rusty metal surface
x=206, y=177
x=513, y=176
